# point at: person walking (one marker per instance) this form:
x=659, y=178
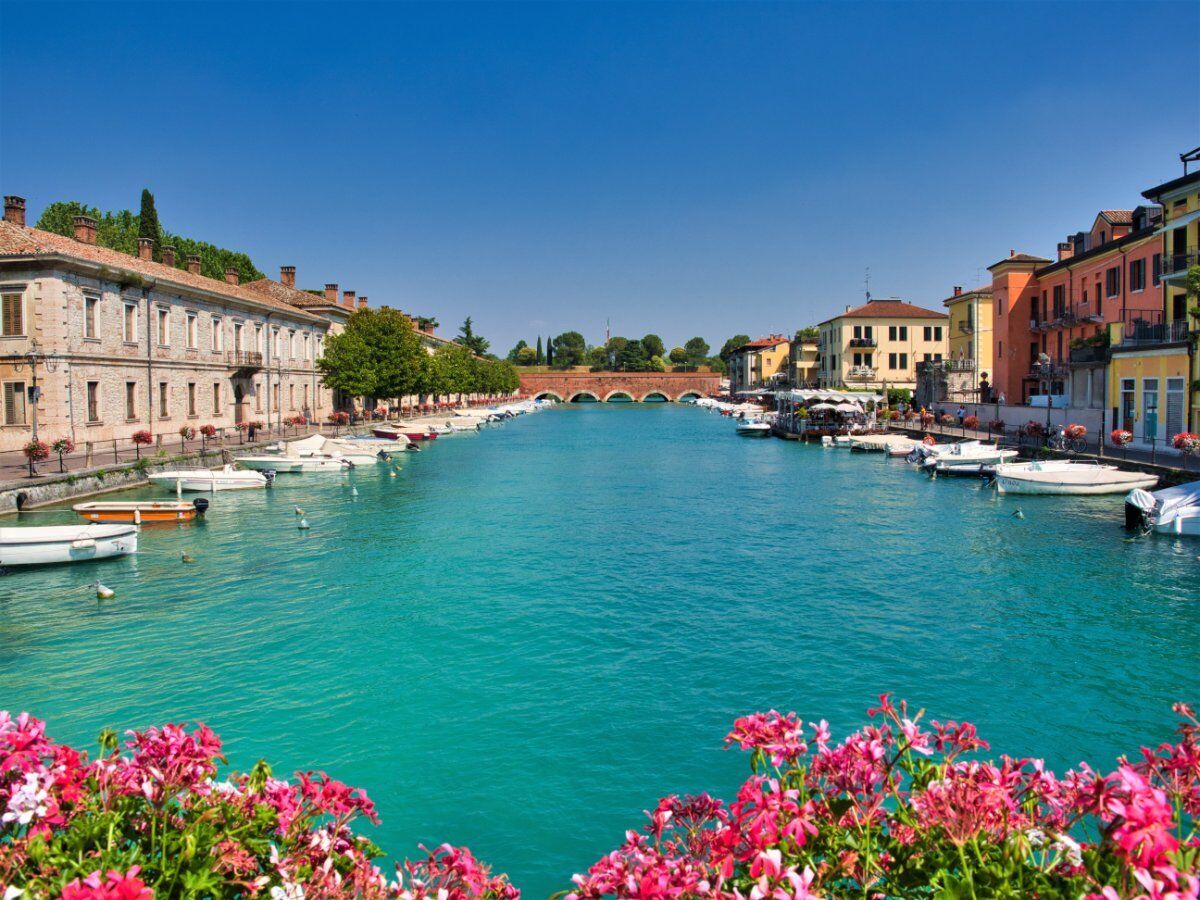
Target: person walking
x=962, y=414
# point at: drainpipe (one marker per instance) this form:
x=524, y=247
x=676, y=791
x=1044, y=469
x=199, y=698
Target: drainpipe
x=267, y=364
x=149, y=363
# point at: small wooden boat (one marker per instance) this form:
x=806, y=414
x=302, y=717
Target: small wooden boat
x=142, y=512
x=43, y=545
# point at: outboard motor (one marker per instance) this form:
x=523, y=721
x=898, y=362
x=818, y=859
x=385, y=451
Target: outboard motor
x=269, y=474
x=1139, y=505
x=201, y=504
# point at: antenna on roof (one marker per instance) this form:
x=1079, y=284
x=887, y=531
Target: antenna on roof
x=867, y=282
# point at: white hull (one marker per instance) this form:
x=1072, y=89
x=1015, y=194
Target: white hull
x=206, y=481
x=1068, y=478
x=61, y=544
x=276, y=464
x=754, y=429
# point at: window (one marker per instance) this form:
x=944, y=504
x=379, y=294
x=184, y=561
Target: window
x=933, y=332
x=258, y=338
x=892, y=358
x=13, y=321
x=129, y=324
x=1083, y=287
x=291, y=396
x=238, y=327
x=216, y=398
x=292, y=347
x=1112, y=281
x=276, y=348
x=869, y=331
x=1157, y=269
x=164, y=397
x=257, y=397
x=191, y=327
x=937, y=335
x=928, y=357
x=306, y=347
x=904, y=361
x=164, y=326
x=904, y=332
x=191, y=395
x=275, y=391
x=892, y=335
x=93, y=401
x=305, y=395
x=1174, y=410
x=858, y=331
x=14, y=403
x=90, y=304
x=317, y=347
x=858, y=359
x=999, y=349
x=1137, y=275
x=1059, y=301
x=217, y=336
x=131, y=400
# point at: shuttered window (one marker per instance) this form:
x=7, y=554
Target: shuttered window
x=14, y=403
x=164, y=406
x=129, y=334
x=90, y=305
x=93, y=401
x=14, y=316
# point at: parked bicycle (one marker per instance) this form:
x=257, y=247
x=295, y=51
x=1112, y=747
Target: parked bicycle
x=1060, y=440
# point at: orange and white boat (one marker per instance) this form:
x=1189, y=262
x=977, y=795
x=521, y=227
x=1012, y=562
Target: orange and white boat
x=142, y=512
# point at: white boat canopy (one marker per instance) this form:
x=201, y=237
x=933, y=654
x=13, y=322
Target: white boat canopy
x=848, y=408
x=806, y=395
x=822, y=406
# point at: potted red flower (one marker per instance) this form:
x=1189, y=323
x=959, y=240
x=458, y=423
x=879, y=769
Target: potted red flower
x=1119, y=437
x=1075, y=431
x=140, y=439
x=35, y=452
x=1187, y=442
x=971, y=422
x=1033, y=428
x=62, y=447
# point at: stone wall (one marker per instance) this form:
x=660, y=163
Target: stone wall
x=606, y=385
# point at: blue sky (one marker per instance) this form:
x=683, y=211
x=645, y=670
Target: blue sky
x=677, y=168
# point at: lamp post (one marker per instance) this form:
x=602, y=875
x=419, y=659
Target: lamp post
x=33, y=358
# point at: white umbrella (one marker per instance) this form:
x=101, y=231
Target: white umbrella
x=817, y=406
x=848, y=408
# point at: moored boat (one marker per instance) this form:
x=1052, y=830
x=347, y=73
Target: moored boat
x=141, y=512
x=753, y=428
x=1068, y=477
x=43, y=545
x=412, y=434
x=197, y=479
x=1173, y=510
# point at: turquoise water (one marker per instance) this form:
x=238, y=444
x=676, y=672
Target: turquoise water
x=529, y=635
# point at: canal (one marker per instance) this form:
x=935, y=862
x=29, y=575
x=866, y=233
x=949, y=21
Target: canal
x=527, y=636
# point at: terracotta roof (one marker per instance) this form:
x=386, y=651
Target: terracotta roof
x=1118, y=216
x=763, y=343
x=888, y=309
x=18, y=241
x=1019, y=257
x=1111, y=246
x=280, y=292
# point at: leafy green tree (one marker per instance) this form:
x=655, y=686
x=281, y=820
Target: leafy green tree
x=653, y=345
x=148, y=226
x=515, y=351
x=718, y=365
x=732, y=344
x=540, y=357
x=526, y=356
x=697, y=350
x=656, y=364
x=378, y=355
x=597, y=359
x=570, y=349
x=678, y=356
x=455, y=371
x=469, y=339
x=811, y=333
x=634, y=357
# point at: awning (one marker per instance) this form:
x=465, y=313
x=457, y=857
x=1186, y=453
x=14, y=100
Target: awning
x=1180, y=222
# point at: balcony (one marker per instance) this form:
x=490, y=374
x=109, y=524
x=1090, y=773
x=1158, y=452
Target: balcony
x=1174, y=264
x=245, y=360
x=862, y=342
x=1048, y=371
x=966, y=327
x=861, y=373
x=1087, y=355
x=1144, y=331
x=960, y=365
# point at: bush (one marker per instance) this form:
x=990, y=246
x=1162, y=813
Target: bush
x=971, y=422
x=36, y=451
x=156, y=818
x=142, y=437
x=898, y=809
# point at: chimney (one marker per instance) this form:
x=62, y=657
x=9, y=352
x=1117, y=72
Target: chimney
x=231, y=275
x=85, y=229
x=958, y=290
x=193, y=263
x=331, y=294
x=362, y=302
x=146, y=249
x=849, y=307
x=169, y=256
x=14, y=210
x=1065, y=250
x=287, y=276
x=348, y=299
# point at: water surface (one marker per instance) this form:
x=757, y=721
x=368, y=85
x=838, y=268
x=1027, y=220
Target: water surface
x=529, y=635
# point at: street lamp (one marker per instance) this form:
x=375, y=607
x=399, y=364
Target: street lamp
x=33, y=358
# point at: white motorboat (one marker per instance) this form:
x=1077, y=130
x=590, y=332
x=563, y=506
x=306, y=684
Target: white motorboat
x=842, y=441
x=1173, y=510
x=270, y=462
x=1068, y=477
x=969, y=454
x=226, y=478
x=317, y=446
x=753, y=428
x=65, y=543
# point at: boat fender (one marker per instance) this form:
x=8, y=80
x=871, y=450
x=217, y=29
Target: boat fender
x=201, y=505
x=303, y=526
x=928, y=440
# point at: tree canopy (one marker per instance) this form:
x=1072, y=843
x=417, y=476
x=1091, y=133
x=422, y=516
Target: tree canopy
x=469, y=339
x=732, y=344
x=678, y=356
x=378, y=355
x=634, y=357
x=570, y=349
x=653, y=345
x=697, y=350
x=120, y=230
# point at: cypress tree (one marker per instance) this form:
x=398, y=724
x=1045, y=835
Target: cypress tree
x=148, y=226
x=549, y=351
x=539, y=350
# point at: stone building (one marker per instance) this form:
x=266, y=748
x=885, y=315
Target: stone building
x=118, y=343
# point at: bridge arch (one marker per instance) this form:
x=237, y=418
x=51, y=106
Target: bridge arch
x=688, y=395
x=583, y=397
x=618, y=396
x=544, y=394
x=656, y=397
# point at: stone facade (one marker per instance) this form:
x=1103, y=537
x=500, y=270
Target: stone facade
x=136, y=345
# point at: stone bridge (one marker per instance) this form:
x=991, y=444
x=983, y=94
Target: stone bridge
x=572, y=386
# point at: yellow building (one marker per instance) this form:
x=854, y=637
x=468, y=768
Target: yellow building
x=1151, y=371
x=879, y=344
x=760, y=363
x=971, y=331
x=803, y=364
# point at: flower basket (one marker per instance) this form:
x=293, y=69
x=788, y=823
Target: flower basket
x=1075, y=431
x=187, y=432
x=141, y=439
x=996, y=426
x=947, y=419
x=62, y=447
x=1186, y=441
x=1119, y=437
x=971, y=422
x=36, y=451
x=209, y=431
x=1034, y=429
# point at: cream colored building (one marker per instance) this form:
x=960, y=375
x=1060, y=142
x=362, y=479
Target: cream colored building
x=120, y=343
x=803, y=364
x=971, y=334
x=759, y=363
x=879, y=344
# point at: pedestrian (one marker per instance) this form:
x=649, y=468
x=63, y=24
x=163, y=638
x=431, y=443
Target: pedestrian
x=962, y=414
